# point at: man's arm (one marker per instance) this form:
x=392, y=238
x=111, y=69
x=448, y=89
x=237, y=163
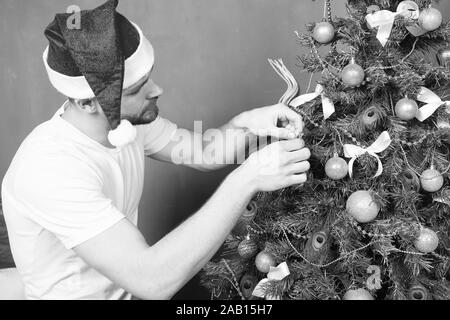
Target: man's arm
x=159, y=271
x=232, y=142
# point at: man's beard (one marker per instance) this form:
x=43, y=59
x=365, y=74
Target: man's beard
x=147, y=115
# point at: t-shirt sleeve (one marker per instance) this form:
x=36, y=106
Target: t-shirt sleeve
x=64, y=195
x=157, y=134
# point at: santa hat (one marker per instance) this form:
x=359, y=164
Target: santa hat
x=107, y=53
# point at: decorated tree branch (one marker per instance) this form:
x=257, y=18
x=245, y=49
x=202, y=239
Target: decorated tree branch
x=373, y=219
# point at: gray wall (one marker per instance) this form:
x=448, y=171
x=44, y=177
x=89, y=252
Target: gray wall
x=210, y=59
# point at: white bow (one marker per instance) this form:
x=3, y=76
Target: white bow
x=353, y=152
x=384, y=20
x=276, y=273
x=327, y=104
x=433, y=102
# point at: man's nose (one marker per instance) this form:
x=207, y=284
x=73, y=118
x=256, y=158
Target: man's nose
x=155, y=92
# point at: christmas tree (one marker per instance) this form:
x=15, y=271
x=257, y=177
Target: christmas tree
x=372, y=221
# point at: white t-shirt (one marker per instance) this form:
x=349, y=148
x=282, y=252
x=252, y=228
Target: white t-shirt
x=63, y=188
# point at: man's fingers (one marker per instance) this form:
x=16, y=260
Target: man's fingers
x=299, y=155
x=292, y=145
x=289, y=115
x=298, y=178
x=299, y=167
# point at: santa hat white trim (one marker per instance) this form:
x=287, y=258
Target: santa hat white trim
x=136, y=66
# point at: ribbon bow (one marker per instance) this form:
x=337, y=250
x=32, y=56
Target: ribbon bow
x=384, y=20
x=327, y=104
x=353, y=152
x=276, y=273
x=433, y=102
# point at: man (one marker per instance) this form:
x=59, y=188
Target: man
x=71, y=193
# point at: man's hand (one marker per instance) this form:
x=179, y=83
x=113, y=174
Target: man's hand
x=278, y=165
x=277, y=121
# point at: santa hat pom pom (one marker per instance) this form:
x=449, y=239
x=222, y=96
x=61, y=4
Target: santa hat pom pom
x=123, y=134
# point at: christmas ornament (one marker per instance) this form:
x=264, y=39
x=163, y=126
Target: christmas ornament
x=264, y=261
x=358, y=294
x=353, y=152
x=353, y=74
x=317, y=247
x=427, y=241
x=370, y=117
x=406, y=109
x=247, y=216
x=433, y=102
x=336, y=168
x=431, y=180
x=410, y=180
x=247, y=248
x=374, y=281
x=274, y=274
x=372, y=9
x=323, y=32
x=247, y=285
x=384, y=20
x=442, y=124
x=430, y=19
x=443, y=56
x=418, y=292
x=362, y=206
x=327, y=105
x=286, y=75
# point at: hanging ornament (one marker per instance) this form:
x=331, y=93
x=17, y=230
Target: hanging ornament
x=427, y=241
x=324, y=32
x=353, y=74
x=370, y=117
x=353, y=152
x=327, y=105
x=336, y=168
x=264, y=261
x=433, y=102
x=362, y=206
x=372, y=9
x=317, y=247
x=358, y=294
x=418, y=292
x=248, y=284
x=273, y=274
x=406, y=109
x=442, y=124
x=430, y=19
x=443, y=56
x=384, y=20
x=240, y=229
x=247, y=248
x=431, y=180
x=410, y=180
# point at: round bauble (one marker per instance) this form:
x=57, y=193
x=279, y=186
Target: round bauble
x=248, y=283
x=372, y=9
x=352, y=75
x=431, y=180
x=406, y=109
x=323, y=32
x=430, y=19
x=358, y=294
x=247, y=248
x=240, y=229
x=264, y=261
x=336, y=168
x=418, y=292
x=362, y=206
x=443, y=56
x=427, y=241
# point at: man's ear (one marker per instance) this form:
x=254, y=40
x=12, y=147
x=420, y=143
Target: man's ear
x=88, y=105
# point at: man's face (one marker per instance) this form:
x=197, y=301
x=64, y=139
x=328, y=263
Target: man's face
x=139, y=101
